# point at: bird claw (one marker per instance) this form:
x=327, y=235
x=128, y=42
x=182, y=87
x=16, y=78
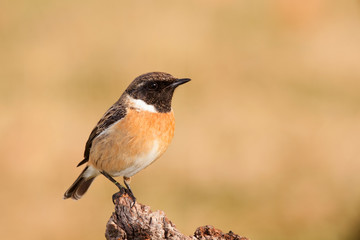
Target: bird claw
x=133, y=198
x=116, y=196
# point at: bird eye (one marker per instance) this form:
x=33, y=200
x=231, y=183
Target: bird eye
x=153, y=86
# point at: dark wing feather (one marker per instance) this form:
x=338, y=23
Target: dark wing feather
x=114, y=114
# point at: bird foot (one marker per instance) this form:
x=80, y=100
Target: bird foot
x=116, y=196
x=131, y=195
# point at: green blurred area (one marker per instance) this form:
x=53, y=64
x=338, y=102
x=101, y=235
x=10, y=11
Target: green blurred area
x=267, y=136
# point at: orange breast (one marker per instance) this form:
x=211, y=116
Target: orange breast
x=132, y=143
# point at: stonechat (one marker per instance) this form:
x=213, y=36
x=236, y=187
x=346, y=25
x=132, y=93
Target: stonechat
x=132, y=134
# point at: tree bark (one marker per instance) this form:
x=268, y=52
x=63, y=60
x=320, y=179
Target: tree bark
x=139, y=222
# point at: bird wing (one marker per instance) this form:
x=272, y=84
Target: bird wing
x=114, y=114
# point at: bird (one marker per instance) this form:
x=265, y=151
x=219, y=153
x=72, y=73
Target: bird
x=133, y=133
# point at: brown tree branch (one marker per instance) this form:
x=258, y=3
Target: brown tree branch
x=139, y=222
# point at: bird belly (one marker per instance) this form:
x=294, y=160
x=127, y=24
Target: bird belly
x=140, y=162
x=132, y=143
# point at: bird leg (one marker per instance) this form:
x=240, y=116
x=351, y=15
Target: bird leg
x=127, y=181
x=122, y=190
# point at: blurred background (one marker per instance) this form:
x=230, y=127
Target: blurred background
x=267, y=136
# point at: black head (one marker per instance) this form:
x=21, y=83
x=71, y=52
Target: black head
x=156, y=89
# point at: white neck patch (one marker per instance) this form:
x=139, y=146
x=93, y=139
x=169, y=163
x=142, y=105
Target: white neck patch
x=141, y=105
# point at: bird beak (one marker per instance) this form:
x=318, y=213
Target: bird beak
x=180, y=81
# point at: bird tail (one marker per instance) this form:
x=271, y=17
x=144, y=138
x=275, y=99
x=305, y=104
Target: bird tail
x=82, y=183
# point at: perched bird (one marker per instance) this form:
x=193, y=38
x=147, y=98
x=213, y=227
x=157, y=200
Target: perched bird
x=132, y=134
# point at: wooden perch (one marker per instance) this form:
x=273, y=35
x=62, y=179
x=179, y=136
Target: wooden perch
x=139, y=222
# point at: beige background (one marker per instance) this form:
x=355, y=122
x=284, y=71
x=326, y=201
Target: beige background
x=267, y=136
